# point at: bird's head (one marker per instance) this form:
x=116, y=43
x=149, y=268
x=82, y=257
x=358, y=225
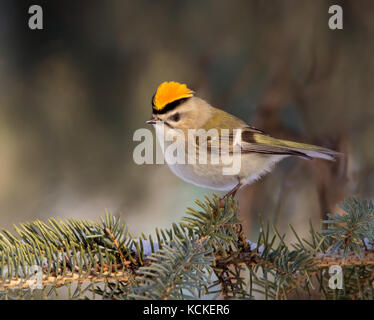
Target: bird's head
x=175, y=105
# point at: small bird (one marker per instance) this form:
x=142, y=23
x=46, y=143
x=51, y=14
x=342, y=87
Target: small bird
x=175, y=110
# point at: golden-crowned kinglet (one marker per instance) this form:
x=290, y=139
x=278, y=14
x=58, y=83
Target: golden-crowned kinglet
x=176, y=112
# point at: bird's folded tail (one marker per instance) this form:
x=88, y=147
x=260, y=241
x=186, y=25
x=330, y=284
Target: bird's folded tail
x=303, y=150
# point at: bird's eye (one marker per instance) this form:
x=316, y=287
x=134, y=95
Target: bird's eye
x=175, y=117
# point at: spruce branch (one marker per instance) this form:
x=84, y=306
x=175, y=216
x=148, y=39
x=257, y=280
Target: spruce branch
x=187, y=262
x=204, y=254
x=353, y=229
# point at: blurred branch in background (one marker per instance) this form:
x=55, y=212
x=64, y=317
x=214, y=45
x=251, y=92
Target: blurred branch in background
x=72, y=95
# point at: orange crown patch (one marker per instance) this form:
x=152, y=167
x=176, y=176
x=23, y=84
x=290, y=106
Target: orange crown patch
x=168, y=92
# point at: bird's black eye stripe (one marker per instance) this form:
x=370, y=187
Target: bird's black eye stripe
x=169, y=106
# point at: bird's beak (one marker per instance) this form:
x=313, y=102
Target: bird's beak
x=153, y=120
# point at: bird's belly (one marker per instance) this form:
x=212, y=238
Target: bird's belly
x=252, y=167
x=205, y=175
x=256, y=165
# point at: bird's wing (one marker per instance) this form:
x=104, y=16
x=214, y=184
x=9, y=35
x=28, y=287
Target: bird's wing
x=251, y=140
x=254, y=141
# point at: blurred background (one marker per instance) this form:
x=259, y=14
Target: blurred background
x=72, y=95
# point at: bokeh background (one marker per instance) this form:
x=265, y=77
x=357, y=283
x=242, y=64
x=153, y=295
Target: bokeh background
x=72, y=95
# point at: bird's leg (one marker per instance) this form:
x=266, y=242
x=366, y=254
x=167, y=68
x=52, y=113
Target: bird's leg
x=234, y=190
x=229, y=194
